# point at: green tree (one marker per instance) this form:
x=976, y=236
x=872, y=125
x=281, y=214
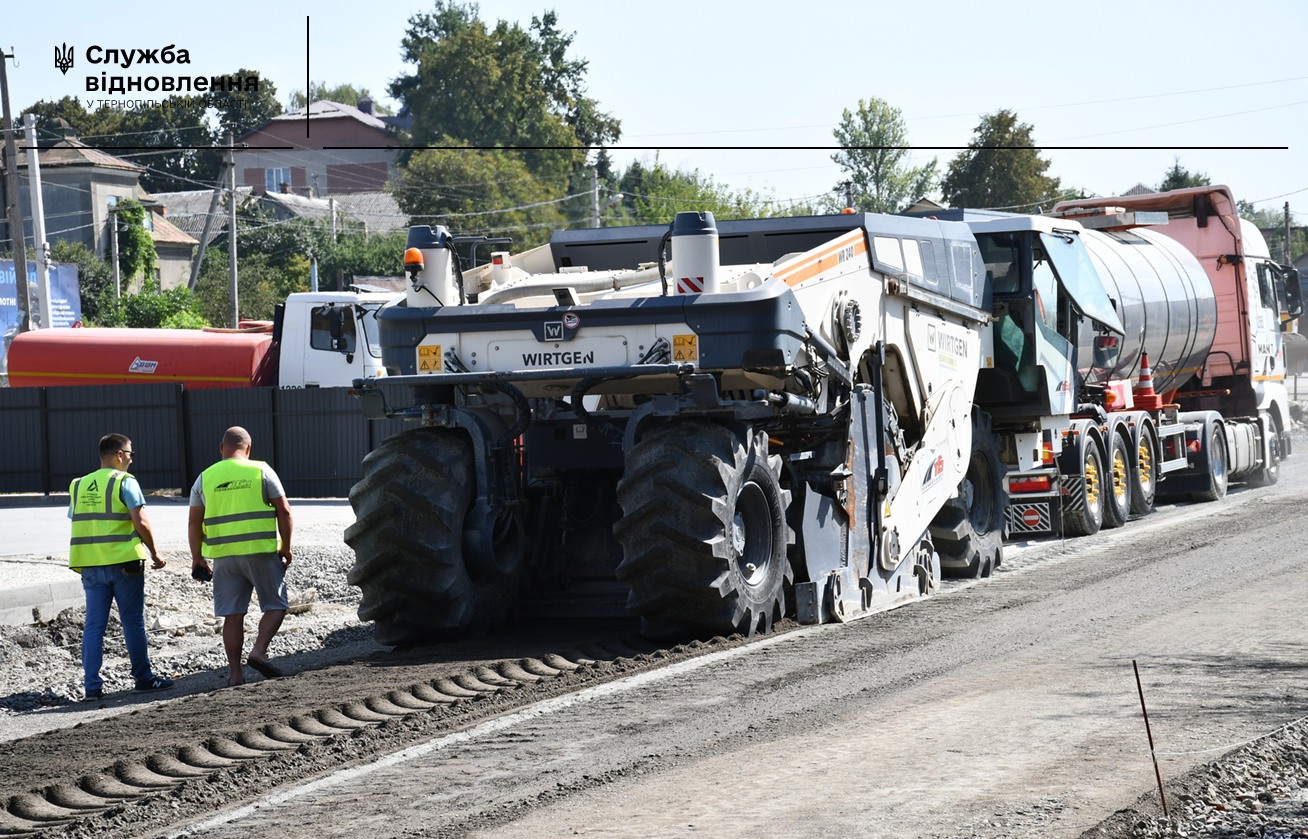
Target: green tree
x=653, y=194
x=84, y=123
x=485, y=192
x=345, y=94
x=183, y=127
x=95, y=277
x=1001, y=168
x=260, y=287
x=358, y=254
x=874, y=156
x=500, y=87
x=1272, y=223
x=136, y=253
x=176, y=127
x=1178, y=177
x=151, y=308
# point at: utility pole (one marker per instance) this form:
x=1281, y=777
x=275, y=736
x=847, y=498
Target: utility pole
x=231, y=228
x=594, y=197
x=331, y=206
x=208, y=225
x=1289, y=256
x=113, y=250
x=15, y=213
x=44, y=309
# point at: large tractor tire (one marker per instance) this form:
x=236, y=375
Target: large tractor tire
x=411, y=507
x=968, y=532
x=704, y=534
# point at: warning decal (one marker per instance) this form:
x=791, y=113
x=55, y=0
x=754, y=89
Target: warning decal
x=685, y=347
x=429, y=359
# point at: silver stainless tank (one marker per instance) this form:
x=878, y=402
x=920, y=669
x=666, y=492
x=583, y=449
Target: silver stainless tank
x=1166, y=303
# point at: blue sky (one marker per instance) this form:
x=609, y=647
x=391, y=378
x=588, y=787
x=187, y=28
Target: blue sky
x=731, y=74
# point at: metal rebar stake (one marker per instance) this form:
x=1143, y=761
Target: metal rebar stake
x=1157, y=775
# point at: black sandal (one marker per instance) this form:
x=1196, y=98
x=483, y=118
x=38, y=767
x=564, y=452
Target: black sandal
x=263, y=667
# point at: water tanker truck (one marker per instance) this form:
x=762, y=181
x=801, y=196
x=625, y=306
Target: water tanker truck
x=1158, y=360
x=318, y=339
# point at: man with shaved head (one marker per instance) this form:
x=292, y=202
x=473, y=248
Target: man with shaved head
x=240, y=535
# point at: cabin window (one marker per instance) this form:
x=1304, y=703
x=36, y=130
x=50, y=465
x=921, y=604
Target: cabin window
x=888, y=254
x=331, y=328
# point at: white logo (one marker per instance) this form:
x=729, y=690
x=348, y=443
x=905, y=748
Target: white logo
x=139, y=366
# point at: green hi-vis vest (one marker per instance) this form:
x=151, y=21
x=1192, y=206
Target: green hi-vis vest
x=237, y=519
x=103, y=533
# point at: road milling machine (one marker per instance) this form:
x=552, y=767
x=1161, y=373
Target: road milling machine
x=719, y=424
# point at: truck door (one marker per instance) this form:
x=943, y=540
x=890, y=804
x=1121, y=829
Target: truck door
x=1034, y=354
x=333, y=343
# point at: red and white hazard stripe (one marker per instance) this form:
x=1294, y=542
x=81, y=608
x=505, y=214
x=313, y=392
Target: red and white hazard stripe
x=690, y=285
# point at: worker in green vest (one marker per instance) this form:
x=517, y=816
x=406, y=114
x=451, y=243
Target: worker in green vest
x=240, y=521
x=110, y=543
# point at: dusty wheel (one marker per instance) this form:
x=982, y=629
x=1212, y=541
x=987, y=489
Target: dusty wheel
x=1144, y=489
x=1216, y=489
x=1083, y=509
x=1117, y=483
x=411, y=507
x=968, y=531
x=703, y=532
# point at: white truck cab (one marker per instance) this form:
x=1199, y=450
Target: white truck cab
x=330, y=338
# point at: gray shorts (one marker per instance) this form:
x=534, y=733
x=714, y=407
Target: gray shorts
x=234, y=577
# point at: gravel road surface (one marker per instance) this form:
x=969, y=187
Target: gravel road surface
x=1007, y=708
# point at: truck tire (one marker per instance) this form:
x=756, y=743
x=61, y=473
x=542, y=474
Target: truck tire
x=411, y=506
x=1217, y=478
x=704, y=534
x=1270, y=473
x=1083, y=506
x=1144, y=489
x=1118, y=482
x=968, y=532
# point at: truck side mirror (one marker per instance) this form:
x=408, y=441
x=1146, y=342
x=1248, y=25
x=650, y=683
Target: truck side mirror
x=1293, y=293
x=335, y=327
x=1106, y=350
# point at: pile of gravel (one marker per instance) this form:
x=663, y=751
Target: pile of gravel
x=41, y=665
x=1260, y=789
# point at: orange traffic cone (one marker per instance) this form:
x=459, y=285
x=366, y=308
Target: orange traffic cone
x=1144, y=397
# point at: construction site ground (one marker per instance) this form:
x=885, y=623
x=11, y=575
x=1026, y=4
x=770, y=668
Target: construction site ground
x=1004, y=708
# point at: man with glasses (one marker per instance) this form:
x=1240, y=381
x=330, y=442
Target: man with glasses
x=110, y=542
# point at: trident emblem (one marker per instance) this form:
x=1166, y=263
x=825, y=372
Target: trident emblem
x=64, y=59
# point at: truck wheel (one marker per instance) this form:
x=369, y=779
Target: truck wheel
x=1144, y=489
x=968, y=532
x=1117, y=483
x=704, y=534
x=1271, y=472
x=1083, y=508
x=1216, y=489
x=411, y=506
